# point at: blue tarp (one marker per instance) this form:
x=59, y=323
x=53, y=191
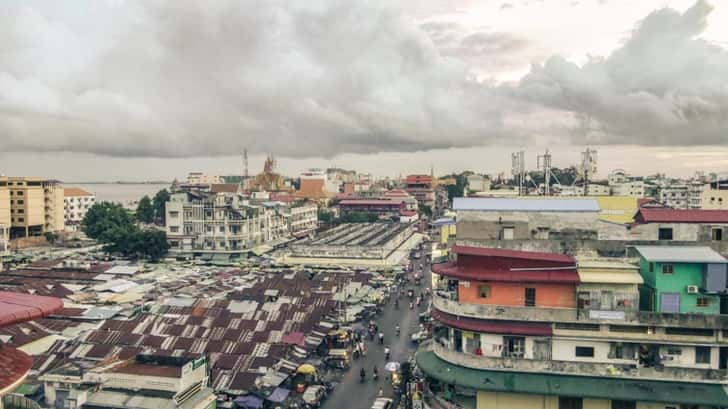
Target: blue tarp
x=278, y=395
x=249, y=402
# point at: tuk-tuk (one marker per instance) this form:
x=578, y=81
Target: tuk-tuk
x=338, y=358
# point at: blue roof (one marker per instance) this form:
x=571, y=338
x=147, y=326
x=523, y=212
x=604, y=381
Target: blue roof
x=488, y=204
x=443, y=221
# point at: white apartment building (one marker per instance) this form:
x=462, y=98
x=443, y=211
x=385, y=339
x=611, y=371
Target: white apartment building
x=622, y=184
x=76, y=203
x=225, y=222
x=683, y=196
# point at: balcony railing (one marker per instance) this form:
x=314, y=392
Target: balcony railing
x=544, y=314
x=660, y=373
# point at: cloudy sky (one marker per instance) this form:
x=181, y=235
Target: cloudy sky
x=150, y=89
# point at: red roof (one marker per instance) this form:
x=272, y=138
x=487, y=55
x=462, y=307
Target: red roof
x=517, y=254
x=488, y=264
x=224, y=187
x=490, y=326
x=408, y=213
x=16, y=307
x=565, y=276
x=369, y=202
x=14, y=367
x=661, y=215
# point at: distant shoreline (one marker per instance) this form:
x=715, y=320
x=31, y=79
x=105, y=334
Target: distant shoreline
x=119, y=183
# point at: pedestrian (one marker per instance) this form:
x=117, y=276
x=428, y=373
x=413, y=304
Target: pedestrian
x=381, y=338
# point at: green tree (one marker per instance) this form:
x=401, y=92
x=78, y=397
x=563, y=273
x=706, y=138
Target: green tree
x=51, y=237
x=145, y=210
x=326, y=216
x=426, y=210
x=159, y=203
x=103, y=217
x=111, y=225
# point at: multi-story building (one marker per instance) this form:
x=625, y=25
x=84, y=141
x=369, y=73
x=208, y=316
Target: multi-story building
x=221, y=221
x=622, y=184
x=715, y=195
x=36, y=205
x=421, y=187
x=316, y=185
x=199, y=178
x=536, y=330
x=76, y=203
x=4, y=214
x=682, y=279
x=683, y=196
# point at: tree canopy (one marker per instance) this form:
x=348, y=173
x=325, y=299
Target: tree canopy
x=145, y=210
x=159, y=202
x=113, y=226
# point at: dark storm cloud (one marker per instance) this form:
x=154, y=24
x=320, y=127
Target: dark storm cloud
x=320, y=78
x=189, y=78
x=664, y=86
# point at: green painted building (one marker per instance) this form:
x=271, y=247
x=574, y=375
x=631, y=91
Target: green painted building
x=682, y=279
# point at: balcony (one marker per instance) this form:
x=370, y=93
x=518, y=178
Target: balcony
x=499, y=312
x=660, y=373
x=542, y=314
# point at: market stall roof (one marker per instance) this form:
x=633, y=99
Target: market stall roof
x=16, y=307
x=14, y=367
x=249, y=402
x=614, y=388
x=294, y=338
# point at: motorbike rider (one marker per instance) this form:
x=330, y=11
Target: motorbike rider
x=396, y=330
x=375, y=372
x=381, y=338
x=386, y=353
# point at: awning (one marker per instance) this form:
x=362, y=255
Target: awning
x=492, y=326
x=604, y=387
x=451, y=269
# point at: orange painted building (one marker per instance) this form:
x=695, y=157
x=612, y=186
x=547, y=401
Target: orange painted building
x=514, y=294
x=511, y=278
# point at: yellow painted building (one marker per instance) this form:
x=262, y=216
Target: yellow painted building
x=617, y=209
x=35, y=205
x=503, y=400
x=714, y=199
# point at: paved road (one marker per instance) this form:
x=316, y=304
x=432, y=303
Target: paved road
x=353, y=394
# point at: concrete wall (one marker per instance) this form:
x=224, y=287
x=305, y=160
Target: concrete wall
x=477, y=225
x=686, y=359
x=514, y=294
x=4, y=206
x=587, y=248
x=502, y=400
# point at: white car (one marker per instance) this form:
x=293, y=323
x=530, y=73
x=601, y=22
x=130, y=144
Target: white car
x=382, y=403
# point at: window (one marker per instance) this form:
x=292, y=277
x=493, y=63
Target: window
x=717, y=234
x=702, y=302
x=674, y=351
x=584, y=352
x=21, y=202
x=514, y=347
x=530, y=297
x=664, y=233
x=19, y=193
x=667, y=269
x=702, y=355
x=570, y=403
x=21, y=220
x=652, y=267
x=624, y=404
x=484, y=291
x=690, y=332
x=174, y=229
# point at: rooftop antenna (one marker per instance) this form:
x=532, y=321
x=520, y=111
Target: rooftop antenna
x=544, y=161
x=244, y=181
x=518, y=169
x=588, y=167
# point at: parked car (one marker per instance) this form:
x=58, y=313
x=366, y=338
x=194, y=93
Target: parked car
x=313, y=395
x=382, y=403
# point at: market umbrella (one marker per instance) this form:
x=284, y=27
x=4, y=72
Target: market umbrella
x=392, y=366
x=278, y=395
x=306, y=369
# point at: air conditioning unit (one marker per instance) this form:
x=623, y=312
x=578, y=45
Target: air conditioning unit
x=693, y=289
